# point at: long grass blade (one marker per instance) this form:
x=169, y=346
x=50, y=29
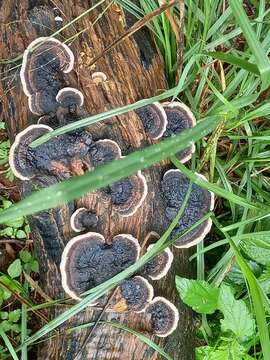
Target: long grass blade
x=256, y=48
x=107, y=174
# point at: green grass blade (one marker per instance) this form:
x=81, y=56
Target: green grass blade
x=218, y=190
x=8, y=345
x=107, y=174
x=235, y=60
x=254, y=44
x=102, y=116
x=101, y=289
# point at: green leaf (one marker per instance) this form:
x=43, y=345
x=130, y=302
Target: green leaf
x=198, y=294
x=15, y=269
x=104, y=175
x=259, y=254
x=253, y=42
x=20, y=234
x=34, y=266
x=14, y=316
x=237, y=317
x=25, y=256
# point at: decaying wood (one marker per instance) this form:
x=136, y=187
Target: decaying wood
x=134, y=71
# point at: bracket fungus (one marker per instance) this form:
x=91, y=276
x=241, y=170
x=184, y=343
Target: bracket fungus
x=135, y=294
x=174, y=187
x=45, y=61
x=88, y=261
x=127, y=194
x=179, y=118
x=104, y=151
x=154, y=120
x=58, y=156
x=21, y=156
x=163, y=315
x=158, y=266
x=83, y=219
x=69, y=96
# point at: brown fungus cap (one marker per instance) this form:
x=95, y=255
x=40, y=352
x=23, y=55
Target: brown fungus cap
x=174, y=187
x=83, y=219
x=87, y=261
x=128, y=194
x=158, y=266
x=135, y=294
x=69, y=96
x=20, y=156
x=179, y=118
x=44, y=62
x=154, y=120
x=164, y=316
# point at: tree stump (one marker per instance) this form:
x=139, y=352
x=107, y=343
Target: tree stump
x=134, y=71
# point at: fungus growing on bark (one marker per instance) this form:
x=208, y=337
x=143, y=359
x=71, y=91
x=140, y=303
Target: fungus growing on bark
x=104, y=151
x=179, y=118
x=174, y=187
x=135, y=294
x=158, y=266
x=88, y=261
x=128, y=194
x=58, y=156
x=20, y=156
x=163, y=315
x=99, y=77
x=69, y=96
x=83, y=219
x=44, y=62
x=154, y=120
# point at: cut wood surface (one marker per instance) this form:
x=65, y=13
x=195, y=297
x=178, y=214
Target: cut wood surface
x=134, y=71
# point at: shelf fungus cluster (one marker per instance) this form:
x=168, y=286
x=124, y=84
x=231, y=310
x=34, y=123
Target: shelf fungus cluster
x=88, y=261
x=161, y=121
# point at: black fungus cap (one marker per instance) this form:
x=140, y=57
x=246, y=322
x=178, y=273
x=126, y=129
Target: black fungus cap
x=174, y=187
x=179, y=118
x=87, y=261
x=164, y=316
x=154, y=120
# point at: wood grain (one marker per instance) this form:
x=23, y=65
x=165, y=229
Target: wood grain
x=134, y=71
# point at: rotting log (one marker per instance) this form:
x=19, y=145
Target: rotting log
x=134, y=71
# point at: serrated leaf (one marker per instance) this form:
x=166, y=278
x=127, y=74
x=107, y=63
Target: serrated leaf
x=198, y=294
x=237, y=317
x=256, y=253
x=15, y=269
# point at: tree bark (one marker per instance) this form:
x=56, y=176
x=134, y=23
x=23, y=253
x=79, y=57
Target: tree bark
x=134, y=71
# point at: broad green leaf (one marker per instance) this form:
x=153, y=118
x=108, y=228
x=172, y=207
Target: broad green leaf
x=259, y=254
x=198, y=294
x=231, y=351
x=107, y=174
x=237, y=317
x=15, y=269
